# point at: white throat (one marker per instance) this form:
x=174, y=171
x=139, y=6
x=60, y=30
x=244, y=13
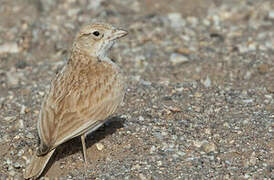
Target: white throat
x=102, y=54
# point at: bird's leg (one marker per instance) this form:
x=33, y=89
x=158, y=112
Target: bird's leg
x=83, y=137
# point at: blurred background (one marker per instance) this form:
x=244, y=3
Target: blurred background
x=199, y=102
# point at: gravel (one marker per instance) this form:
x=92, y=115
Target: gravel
x=199, y=102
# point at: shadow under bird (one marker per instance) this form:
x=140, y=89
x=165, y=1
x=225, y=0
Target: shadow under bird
x=82, y=96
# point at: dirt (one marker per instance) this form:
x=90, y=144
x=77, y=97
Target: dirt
x=199, y=102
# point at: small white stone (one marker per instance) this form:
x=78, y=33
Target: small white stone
x=152, y=149
x=8, y=161
x=209, y=147
x=41, y=93
x=159, y=163
x=226, y=125
x=137, y=166
x=242, y=48
x=20, y=124
x=176, y=20
x=193, y=20
x=248, y=101
x=142, y=177
x=9, y=48
x=30, y=136
x=9, y=118
x=206, y=22
x=198, y=144
x=252, y=47
x=73, y=12
x=271, y=14
x=141, y=118
x=216, y=20
x=178, y=59
x=253, y=159
x=164, y=133
x=23, y=109
x=99, y=146
x=180, y=153
x=247, y=75
x=94, y=4
x=268, y=96
x=20, y=153
x=207, y=82
x=13, y=78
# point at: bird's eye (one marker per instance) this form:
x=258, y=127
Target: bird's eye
x=96, y=33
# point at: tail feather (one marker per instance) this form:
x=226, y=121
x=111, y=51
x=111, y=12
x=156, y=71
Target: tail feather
x=37, y=165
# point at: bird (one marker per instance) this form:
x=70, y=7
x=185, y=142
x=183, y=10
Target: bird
x=86, y=91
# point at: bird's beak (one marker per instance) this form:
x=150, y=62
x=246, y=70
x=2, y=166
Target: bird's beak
x=118, y=33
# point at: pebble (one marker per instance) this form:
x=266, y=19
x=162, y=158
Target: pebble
x=13, y=78
x=9, y=48
x=141, y=118
x=164, y=133
x=23, y=109
x=41, y=93
x=242, y=48
x=207, y=131
x=176, y=20
x=137, y=166
x=73, y=12
x=216, y=20
x=247, y=75
x=17, y=165
x=252, y=46
x=178, y=59
x=253, y=159
x=30, y=135
x=20, y=153
x=263, y=68
x=198, y=144
x=248, y=101
x=184, y=51
x=159, y=163
x=99, y=146
x=271, y=14
x=180, y=153
x=226, y=125
x=9, y=118
x=20, y=124
x=209, y=147
x=268, y=96
x=193, y=20
x=270, y=88
x=94, y=4
x=142, y=177
x=8, y=161
x=206, y=82
x=145, y=83
x=152, y=149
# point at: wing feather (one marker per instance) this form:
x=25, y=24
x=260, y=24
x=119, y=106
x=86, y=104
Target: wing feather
x=79, y=103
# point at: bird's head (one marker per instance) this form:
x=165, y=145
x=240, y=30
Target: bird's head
x=96, y=39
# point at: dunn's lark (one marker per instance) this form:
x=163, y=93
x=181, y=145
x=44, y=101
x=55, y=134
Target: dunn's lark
x=82, y=95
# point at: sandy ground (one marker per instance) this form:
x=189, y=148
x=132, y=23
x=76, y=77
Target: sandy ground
x=199, y=102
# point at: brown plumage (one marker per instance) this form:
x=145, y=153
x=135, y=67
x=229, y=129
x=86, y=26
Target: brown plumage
x=83, y=94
